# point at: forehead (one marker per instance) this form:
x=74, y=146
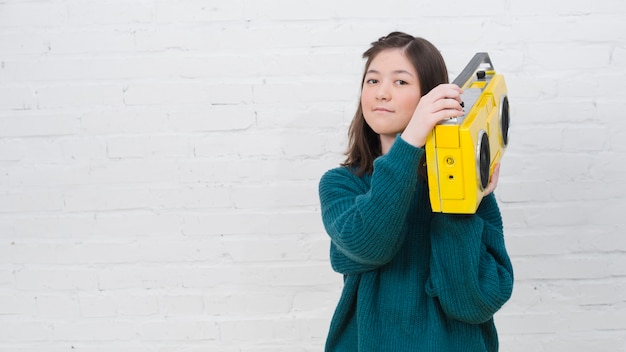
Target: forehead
x=390, y=60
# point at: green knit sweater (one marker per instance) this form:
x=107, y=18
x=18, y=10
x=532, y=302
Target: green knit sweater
x=414, y=280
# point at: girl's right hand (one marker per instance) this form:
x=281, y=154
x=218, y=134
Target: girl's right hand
x=441, y=103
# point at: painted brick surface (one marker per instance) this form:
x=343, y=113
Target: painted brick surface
x=159, y=162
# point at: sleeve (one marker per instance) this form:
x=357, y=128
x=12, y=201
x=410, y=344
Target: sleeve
x=365, y=224
x=471, y=273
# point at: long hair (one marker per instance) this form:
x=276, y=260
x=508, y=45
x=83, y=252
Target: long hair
x=363, y=143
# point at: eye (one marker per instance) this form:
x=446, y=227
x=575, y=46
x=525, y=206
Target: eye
x=371, y=81
x=401, y=82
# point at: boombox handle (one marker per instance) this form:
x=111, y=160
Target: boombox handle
x=478, y=62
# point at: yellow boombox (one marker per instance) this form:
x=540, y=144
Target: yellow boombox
x=462, y=152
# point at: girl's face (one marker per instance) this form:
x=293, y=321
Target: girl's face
x=390, y=94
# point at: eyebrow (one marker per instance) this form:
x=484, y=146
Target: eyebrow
x=394, y=72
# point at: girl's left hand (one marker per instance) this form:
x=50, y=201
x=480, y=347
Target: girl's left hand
x=493, y=182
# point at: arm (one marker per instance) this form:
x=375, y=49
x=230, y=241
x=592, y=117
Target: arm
x=471, y=273
x=364, y=222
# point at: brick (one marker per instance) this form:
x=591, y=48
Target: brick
x=18, y=43
x=36, y=125
x=578, y=7
x=78, y=95
x=125, y=120
x=134, y=11
x=206, y=118
x=198, y=11
x=181, y=305
x=25, y=331
x=266, y=249
x=246, y=303
x=305, y=92
x=268, y=196
x=6, y=275
x=179, y=330
x=599, y=339
x=56, y=279
x=225, y=223
x=261, y=331
x=524, y=191
x=34, y=149
x=31, y=201
x=17, y=98
x=571, y=267
x=186, y=93
x=58, y=306
x=17, y=305
x=547, y=138
x=26, y=14
x=91, y=41
x=90, y=199
x=167, y=249
x=581, y=56
x=94, y=330
x=113, y=305
x=144, y=277
x=114, y=225
x=142, y=146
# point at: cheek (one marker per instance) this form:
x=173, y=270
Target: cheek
x=409, y=104
x=365, y=97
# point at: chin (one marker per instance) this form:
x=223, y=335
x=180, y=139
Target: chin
x=387, y=131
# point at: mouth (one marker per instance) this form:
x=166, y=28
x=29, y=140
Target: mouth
x=381, y=109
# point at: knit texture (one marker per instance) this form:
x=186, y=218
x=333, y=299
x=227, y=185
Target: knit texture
x=414, y=280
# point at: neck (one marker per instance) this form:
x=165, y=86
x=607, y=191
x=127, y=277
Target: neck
x=386, y=141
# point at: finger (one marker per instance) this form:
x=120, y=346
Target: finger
x=450, y=86
x=443, y=91
x=446, y=114
x=493, y=181
x=452, y=90
x=445, y=109
x=439, y=101
x=448, y=104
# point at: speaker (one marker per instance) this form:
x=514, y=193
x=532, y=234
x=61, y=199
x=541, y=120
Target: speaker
x=461, y=152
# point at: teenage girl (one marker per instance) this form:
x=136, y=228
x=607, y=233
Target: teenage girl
x=414, y=280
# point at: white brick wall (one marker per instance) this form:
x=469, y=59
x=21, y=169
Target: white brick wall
x=159, y=162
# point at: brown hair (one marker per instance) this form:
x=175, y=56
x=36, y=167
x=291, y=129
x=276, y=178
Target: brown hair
x=364, y=143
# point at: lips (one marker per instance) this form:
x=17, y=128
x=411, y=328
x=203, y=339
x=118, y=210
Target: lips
x=382, y=109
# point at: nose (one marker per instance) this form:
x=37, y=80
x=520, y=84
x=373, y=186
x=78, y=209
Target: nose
x=383, y=92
